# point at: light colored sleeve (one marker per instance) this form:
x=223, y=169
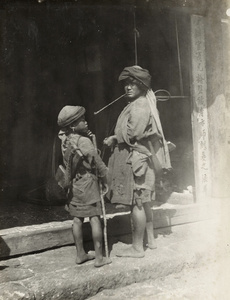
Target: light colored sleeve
x=139, y=120
x=88, y=150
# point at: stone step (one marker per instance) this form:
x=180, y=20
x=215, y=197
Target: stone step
x=29, y=239
x=53, y=274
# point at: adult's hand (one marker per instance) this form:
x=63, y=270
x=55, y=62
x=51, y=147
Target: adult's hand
x=110, y=141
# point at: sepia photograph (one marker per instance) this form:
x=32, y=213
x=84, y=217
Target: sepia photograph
x=115, y=149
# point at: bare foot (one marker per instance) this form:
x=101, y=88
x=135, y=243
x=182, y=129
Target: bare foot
x=101, y=262
x=121, y=206
x=131, y=252
x=84, y=258
x=152, y=245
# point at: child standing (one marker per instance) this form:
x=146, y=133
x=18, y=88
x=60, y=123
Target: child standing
x=83, y=167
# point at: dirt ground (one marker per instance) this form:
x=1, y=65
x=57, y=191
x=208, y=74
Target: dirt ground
x=18, y=210
x=28, y=206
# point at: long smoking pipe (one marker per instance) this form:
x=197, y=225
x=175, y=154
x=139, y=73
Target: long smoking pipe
x=97, y=112
x=160, y=98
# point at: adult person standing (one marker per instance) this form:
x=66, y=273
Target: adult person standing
x=139, y=152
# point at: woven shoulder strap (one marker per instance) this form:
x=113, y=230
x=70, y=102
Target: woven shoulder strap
x=74, y=149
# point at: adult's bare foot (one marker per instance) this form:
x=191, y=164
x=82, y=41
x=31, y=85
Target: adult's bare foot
x=152, y=245
x=131, y=252
x=84, y=258
x=101, y=262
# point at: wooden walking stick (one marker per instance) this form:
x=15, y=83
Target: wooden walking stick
x=105, y=221
x=102, y=204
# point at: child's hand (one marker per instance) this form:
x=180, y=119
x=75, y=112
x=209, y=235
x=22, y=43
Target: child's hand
x=104, y=188
x=89, y=133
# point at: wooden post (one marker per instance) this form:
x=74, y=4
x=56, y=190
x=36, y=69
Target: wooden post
x=199, y=109
x=218, y=78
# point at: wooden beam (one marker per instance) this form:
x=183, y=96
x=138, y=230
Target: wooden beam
x=199, y=109
x=29, y=239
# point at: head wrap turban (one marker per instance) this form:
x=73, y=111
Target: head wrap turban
x=70, y=114
x=138, y=73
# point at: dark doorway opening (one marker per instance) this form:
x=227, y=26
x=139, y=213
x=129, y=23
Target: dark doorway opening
x=57, y=54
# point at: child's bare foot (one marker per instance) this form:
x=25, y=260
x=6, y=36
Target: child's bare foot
x=131, y=252
x=122, y=207
x=84, y=258
x=101, y=262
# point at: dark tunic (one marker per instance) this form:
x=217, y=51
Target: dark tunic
x=131, y=167
x=87, y=166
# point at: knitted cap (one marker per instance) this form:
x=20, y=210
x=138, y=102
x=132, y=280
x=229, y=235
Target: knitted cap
x=70, y=114
x=138, y=73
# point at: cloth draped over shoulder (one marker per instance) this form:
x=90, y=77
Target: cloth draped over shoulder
x=163, y=152
x=140, y=128
x=84, y=166
x=141, y=145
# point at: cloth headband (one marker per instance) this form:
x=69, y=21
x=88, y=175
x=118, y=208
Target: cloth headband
x=138, y=73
